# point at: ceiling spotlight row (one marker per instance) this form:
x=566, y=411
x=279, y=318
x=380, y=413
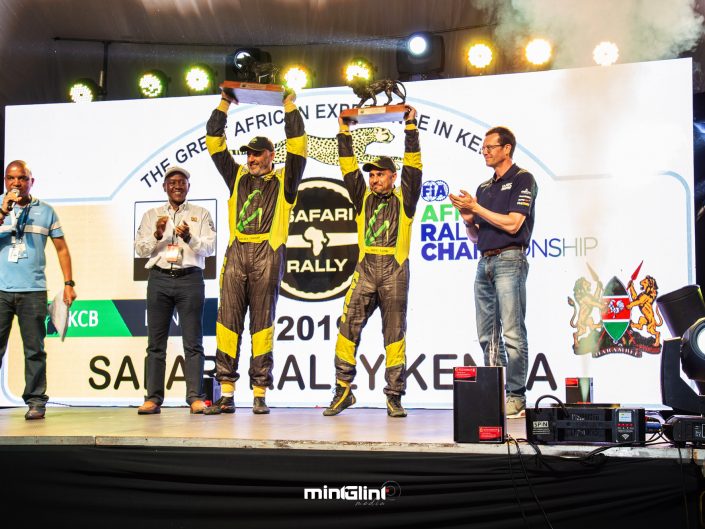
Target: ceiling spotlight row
x=199, y=79
x=539, y=52
x=419, y=55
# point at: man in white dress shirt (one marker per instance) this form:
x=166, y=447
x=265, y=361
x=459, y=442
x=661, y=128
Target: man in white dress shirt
x=177, y=237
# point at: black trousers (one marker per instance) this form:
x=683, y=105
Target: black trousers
x=186, y=294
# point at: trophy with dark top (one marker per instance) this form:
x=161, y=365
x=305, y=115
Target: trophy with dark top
x=373, y=113
x=255, y=80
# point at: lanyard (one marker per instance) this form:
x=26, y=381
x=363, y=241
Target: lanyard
x=19, y=223
x=173, y=220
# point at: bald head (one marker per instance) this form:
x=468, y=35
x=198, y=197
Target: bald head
x=19, y=176
x=21, y=165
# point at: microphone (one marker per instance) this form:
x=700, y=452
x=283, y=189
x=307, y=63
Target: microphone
x=11, y=201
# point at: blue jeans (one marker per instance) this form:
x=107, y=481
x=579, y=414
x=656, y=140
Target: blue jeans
x=500, y=308
x=31, y=311
x=186, y=294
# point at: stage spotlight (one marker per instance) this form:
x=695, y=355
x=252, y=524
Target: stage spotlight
x=153, y=84
x=297, y=77
x=605, y=53
x=538, y=52
x=683, y=312
x=418, y=43
x=480, y=55
x=361, y=68
x=693, y=351
x=422, y=56
x=83, y=91
x=199, y=79
x=239, y=64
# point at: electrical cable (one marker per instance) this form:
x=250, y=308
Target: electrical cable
x=531, y=488
x=685, y=494
x=559, y=401
x=511, y=474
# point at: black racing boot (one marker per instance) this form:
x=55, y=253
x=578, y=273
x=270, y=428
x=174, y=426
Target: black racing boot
x=222, y=405
x=342, y=399
x=259, y=406
x=394, y=407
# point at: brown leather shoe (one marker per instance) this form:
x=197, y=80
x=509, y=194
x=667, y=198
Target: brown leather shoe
x=197, y=406
x=35, y=412
x=149, y=408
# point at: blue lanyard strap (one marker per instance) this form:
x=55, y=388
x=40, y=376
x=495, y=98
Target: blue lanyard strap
x=22, y=222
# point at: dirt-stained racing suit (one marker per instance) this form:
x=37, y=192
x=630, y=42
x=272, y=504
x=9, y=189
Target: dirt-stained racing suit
x=259, y=208
x=381, y=277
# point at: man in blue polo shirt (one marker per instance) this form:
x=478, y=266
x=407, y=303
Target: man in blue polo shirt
x=500, y=220
x=25, y=224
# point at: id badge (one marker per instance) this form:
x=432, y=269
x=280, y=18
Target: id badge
x=173, y=253
x=21, y=250
x=14, y=254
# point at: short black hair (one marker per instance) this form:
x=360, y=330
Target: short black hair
x=506, y=137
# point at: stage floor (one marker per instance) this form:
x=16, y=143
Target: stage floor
x=357, y=429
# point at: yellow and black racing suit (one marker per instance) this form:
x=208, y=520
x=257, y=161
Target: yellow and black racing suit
x=381, y=277
x=258, y=209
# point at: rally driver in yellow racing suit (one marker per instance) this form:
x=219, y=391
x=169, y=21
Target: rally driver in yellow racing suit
x=261, y=200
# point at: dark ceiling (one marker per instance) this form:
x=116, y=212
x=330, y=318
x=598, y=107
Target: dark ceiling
x=45, y=44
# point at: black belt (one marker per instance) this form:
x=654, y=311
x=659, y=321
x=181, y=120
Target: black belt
x=177, y=272
x=490, y=253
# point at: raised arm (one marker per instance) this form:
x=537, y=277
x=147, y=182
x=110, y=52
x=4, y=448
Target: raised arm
x=217, y=147
x=352, y=176
x=296, y=144
x=411, y=173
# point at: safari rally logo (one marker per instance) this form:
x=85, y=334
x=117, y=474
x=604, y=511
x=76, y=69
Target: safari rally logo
x=322, y=248
x=614, y=318
x=322, y=251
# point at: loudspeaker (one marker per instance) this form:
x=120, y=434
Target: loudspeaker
x=478, y=405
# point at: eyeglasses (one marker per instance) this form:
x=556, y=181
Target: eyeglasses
x=488, y=148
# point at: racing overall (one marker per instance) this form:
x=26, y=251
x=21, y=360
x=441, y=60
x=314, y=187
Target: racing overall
x=381, y=277
x=258, y=210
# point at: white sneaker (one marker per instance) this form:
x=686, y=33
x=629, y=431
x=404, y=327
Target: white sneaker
x=515, y=406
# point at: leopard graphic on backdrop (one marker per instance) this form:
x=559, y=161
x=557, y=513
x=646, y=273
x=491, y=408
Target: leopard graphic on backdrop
x=325, y=150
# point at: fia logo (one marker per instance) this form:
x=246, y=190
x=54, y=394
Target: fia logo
x=434, y=190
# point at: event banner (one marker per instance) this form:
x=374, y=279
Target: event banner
x=610, y=149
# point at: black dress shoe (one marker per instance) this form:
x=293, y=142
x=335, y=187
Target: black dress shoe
x=35, y=412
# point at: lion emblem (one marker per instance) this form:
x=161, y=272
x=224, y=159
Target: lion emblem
x=366, y=91
x=644, y=301
x=583, y=305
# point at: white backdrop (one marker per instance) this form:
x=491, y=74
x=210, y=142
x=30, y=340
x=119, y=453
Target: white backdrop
x=611, y=150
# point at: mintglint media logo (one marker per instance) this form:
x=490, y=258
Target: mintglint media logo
x=357, y=493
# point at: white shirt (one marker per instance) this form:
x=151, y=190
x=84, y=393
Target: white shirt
x=194, y=253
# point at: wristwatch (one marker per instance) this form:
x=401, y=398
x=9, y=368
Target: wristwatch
x=70, y=283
